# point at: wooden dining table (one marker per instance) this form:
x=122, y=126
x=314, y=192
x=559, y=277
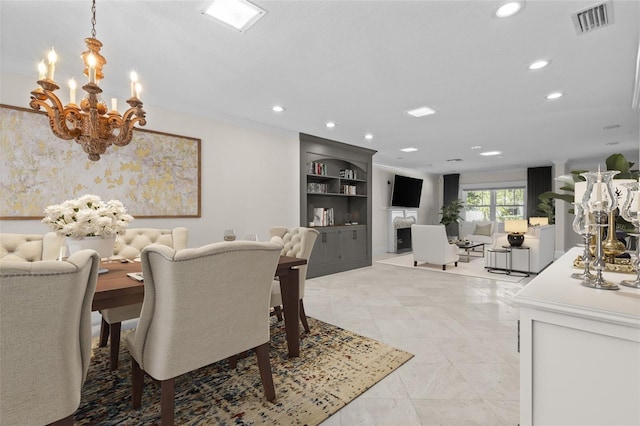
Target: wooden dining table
x=115, y=289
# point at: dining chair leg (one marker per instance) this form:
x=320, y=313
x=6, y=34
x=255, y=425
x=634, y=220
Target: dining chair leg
x=303, y=318
x=114, y=350
x=137, y=383
x=104, y=333
x=233, y=362
x=67, y=421
x=167, y=398
x=264, y=365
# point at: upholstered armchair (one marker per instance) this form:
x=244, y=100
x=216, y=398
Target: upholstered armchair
x=430, y=245
x=30, y=247
x=45, y=337
x=201, y=306
x=298, y=242
x=129, y=246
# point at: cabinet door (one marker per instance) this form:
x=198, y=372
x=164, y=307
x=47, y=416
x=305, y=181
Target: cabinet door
x=326, y=248
x=354, y=242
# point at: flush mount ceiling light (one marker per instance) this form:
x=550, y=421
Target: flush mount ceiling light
x=330, y=124
x=554, y=95
x=509, y=8
x=368, y=136
x=421, y=112
x=409, y=149
x=278, y=108
x=490, y=153
x=539, y=64
x=238, y=14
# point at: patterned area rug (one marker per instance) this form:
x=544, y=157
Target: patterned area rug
x=334, y=367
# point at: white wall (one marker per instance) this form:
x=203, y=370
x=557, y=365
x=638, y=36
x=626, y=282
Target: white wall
x=381, y=200
x=250, y=173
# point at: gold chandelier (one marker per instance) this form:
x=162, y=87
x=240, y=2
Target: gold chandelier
x=90, y=124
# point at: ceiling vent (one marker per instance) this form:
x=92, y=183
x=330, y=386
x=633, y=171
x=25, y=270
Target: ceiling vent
x=593, y=18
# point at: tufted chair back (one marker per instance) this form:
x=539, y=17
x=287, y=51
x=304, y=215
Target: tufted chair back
x=298, y=242
x=30, y=247
x=45, y=343
x=130, y=245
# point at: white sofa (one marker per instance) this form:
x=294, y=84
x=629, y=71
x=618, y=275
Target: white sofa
x=471, y=231
x=431, y=245
x=541, y=243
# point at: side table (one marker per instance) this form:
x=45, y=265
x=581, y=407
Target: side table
x=492, y=253
x=509, y=264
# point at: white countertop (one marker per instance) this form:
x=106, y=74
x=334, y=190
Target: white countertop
x=555, y=290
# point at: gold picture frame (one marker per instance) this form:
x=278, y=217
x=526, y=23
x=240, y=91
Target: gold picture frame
x=157, y=175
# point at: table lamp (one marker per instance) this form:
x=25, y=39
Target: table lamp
x=538, y=221
x=516, y=230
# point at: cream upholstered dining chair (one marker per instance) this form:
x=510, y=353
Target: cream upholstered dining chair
x=45, y=337
x=430, y=245
x=129, y=246
x=201, y=306
x=298, y=242
x=30, y=247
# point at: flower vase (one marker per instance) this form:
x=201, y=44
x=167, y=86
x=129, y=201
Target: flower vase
x=104, y=246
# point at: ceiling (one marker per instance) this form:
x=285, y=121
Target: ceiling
x=363, y=64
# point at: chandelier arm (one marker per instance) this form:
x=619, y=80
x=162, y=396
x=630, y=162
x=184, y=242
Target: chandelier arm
x=57, y=114
x=128, y=121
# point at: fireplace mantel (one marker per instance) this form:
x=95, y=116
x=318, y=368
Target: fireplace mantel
x=398, y=219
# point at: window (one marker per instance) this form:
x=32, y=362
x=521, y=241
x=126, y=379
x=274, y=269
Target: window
x=494, y=204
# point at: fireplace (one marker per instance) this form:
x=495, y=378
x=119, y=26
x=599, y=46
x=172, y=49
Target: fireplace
x=403, y=240
x=399, y=230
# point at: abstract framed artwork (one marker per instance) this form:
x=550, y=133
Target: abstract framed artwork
x=156, y=176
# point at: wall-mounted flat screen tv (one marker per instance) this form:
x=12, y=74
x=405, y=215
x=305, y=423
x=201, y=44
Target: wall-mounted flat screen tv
x=406, y=192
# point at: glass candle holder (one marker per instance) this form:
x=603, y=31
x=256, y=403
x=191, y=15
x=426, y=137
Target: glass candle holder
x=631, y=213
x=582, y=226
x=599, y=200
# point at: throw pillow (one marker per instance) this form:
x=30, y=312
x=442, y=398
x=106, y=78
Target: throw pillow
x=483, y=230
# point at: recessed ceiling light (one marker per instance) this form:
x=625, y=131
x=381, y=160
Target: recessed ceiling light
x=554, y=95
x=238, y=14
x=454, y=160
x=368, y=136
x=539, y=64
x=490, y=153
x=409, y=149
x=278, y=108
x=422, y=111
x=509, y=8
x=476, y=147
x=330, y=124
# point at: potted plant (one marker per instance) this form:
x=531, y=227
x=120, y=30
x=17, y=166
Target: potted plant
x=451, y=216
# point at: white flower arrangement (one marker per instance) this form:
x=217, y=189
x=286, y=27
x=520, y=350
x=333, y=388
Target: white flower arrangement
x=87, y=216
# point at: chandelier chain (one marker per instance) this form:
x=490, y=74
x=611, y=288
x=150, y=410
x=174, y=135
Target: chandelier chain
x=93, y=19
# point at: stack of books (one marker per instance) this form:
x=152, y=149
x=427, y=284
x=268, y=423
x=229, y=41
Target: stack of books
x=348, y=174
x=348, y=189
x=316, y=168
x=322, y=217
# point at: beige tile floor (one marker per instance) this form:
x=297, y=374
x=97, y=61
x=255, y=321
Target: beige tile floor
x=462, y=331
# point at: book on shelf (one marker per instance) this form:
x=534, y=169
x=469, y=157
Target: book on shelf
x=348, y=189
x=316, y=168
x=316, y=187
x=323, y=217
x=348, y=174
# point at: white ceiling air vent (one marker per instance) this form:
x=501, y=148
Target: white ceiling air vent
x=593, y=18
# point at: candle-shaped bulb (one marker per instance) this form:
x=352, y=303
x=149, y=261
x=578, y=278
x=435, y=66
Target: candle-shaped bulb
x=52, y=57
x=91, y=62
x=138, y=90
x=42, y=71
x=72, y=91
x=134, y=79
x=114, y=104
